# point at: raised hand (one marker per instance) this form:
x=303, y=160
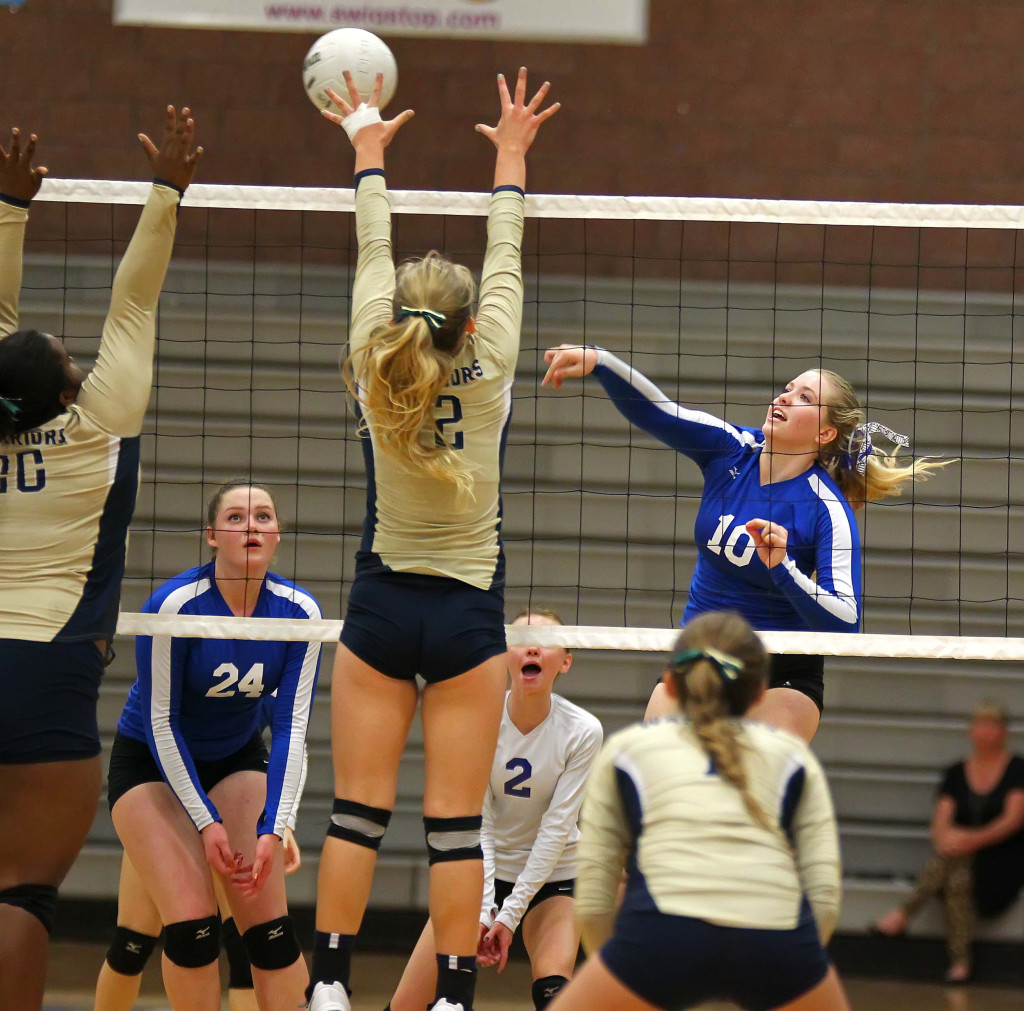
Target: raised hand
x=519, y=121
x=174, y=161
x=18, y=178
x=361, y=120
x=568, y=361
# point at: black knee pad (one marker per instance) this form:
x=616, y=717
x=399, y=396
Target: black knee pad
x=453, y=838
x=359, y=824
x=272, y=945
x=193, y=943
x=129, y=951
x=39, y=900
x=546, y=989
x=239, y=966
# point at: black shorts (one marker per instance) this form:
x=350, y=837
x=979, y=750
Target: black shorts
x=132, y=764
x=503, y=889
x=804, y=674
x=406, y=623
x=756, y=969
x=49, y=692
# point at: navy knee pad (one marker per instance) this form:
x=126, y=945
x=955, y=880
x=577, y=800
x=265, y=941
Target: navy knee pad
x=193, y=943
x=359, y=824
x=239, y=966
x=546, y=989
x=272, y=945
x=39, y=900
x=129, y=951
x=453, y=838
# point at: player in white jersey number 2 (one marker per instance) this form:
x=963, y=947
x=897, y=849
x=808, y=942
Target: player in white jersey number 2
x=546, y=747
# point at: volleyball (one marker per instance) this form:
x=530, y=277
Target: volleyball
x=352, y=49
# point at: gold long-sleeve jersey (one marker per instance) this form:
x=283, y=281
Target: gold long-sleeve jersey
x=68, y=487
x=416, y=522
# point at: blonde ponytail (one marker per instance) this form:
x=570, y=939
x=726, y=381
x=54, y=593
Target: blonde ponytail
x=397, y=374
x=719, y=668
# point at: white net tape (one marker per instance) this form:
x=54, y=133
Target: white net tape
x=932, y=647
x=553, y=205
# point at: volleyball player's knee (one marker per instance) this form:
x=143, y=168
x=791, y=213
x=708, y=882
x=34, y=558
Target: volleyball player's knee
x=546, y=989
x=129, y=951
x=358, y=823
x=39, y=900
x=193, y=943
x=273, y=945
x=239, y=966
x=453, y=838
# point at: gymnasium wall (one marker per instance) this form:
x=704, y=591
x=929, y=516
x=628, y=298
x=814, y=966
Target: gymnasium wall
x=865, y=100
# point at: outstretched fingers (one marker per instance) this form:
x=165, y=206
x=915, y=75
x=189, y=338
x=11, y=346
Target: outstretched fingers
x=17, y=176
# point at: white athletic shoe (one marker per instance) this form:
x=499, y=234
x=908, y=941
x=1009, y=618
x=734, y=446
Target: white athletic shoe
x=329, y=997
x=446, y=1005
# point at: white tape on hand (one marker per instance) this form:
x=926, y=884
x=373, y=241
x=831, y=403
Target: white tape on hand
x=363, y=116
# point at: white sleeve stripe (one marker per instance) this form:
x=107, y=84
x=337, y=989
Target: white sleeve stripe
x=168, y=756
x=293, y=775
x=843, y=604
x=650, y=392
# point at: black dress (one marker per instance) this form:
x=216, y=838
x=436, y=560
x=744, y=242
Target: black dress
x=998, y=870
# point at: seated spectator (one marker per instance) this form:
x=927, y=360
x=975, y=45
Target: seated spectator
x=978, y=833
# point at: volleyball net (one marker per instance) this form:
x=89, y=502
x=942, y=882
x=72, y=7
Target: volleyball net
x=719, y=302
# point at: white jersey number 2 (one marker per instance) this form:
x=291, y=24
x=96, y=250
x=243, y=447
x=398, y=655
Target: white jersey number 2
x=740, y=558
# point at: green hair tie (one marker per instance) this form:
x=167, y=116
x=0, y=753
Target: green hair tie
x=727, y=666
x=435, y=320
x=12, y=408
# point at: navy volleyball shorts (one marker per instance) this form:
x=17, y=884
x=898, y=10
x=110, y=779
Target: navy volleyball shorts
x=132, y=763
x=49, y=692
x=407, y=623
x=756, y=969
x=804, y=674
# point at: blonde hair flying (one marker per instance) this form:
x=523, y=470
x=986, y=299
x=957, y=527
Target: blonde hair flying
x=882, y=474
x=397, y=374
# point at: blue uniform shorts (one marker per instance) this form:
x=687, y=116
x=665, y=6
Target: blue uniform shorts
x=407, y=623
x=49, y=692
x=681, y=962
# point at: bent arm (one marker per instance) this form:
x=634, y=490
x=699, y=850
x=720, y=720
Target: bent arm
x=1009, y=823
x=829, y=602
x=116, y=392
x=555, y=828
x=13, y=218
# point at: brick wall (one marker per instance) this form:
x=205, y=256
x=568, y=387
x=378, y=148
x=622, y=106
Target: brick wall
x=838, y=99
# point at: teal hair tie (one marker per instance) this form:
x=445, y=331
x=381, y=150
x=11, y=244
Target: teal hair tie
x=727, y=666
x=435, y=320
x=8, y=405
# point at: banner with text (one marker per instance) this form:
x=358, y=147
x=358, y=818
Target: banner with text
x=551, y=20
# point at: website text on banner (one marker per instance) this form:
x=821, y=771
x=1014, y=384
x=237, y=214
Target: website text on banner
x=568, y=20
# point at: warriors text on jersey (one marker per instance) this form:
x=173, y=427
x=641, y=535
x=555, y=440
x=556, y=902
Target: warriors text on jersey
x=416, y=522
x=68, y=488
x=817, y=587
x=201, y=698
x=689, y=844
x=533, y=802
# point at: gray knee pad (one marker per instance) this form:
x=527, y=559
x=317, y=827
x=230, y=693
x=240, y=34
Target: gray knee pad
x=453, y=838
x=39, y=900
x=193, y=943
x=272, y=945
x=129, y=951
x=358, y=823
